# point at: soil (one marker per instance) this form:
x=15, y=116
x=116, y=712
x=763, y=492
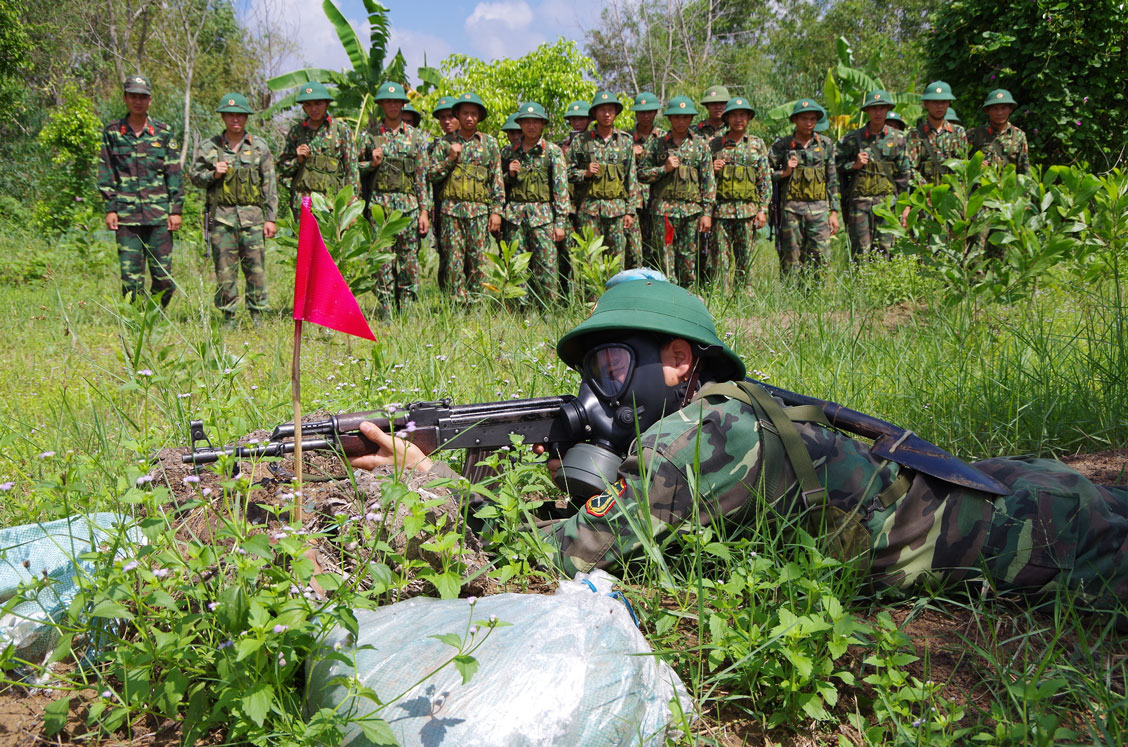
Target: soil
x=941, y=638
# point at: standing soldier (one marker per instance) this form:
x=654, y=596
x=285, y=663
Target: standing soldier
x=536, y=208
x=411, y=115
x=646, y=106
x=740, y=165
x=1000, y=142
x=139, y=179
x=934, y=140
x=237, y=170
x=602, y=161
x=576, y=115
x=473, y=195
x=683, y=191
x=877, y=157
x=511, y=129
x=394, y=155
x=715, y=100
x=436, y=174
x=318, y=156
x=896, y=121
x=951, y=116
x=804, y=173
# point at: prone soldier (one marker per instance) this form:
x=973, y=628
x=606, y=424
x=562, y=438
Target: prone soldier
x=318, y=155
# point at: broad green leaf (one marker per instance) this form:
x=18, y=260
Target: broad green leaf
x=467, y=666
x=257, y=702
x=110, y=609
x=55, y=716
x=349, y=39
x=376, y=730
x=449, y=639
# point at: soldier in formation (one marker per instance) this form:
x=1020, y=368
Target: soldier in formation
x=394, y=168
x=934, y=140
x=140, y=181
x=236, y=169
x=646, y=107
x=448, y=123
x=1000, y=142
x=318, y=155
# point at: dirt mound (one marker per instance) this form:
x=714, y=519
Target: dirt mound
x=1109, y=467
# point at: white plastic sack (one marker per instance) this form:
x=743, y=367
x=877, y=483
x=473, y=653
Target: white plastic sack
x=571, y=669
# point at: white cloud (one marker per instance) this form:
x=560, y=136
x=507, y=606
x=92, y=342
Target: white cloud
x=501, y=29
x=515, y=15
x=414, y=44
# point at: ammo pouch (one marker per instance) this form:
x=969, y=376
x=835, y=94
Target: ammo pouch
x=394, y=175
x=319, y=174
x=736, y=184
x=875, y=179
x=531, y=183
x=808, y=184
x=239, y=186
x=609, y=183
x=466, y=183
x=679, y=184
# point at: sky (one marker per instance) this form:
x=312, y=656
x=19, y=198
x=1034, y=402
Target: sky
x=437, y=28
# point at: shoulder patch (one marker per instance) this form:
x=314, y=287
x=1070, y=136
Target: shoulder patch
x=599, y=505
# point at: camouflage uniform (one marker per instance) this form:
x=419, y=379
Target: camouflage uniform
x=1001, y=148
x=707, y=130
x=465, y=226
x=236, y=229
x=947, y=143
x=885, y=176
x=398, y=183
x=639, y=238
x=531, y=218
x=734, y=231
x=139, y=178
x=332, y=141
x=683, y=214
x=1055, y=528
x=804, y=221
x=608, y=197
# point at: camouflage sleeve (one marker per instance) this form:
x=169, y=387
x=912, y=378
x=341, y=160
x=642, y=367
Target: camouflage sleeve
x=507, y=157
x=173, y=176
x=846, y=152
x=269, y=185
x=901, y=167
x=708, y=178
x=202, y=171
x=561, y=203
x=763, y=180
x=832, y=195
x=777, y=160
x=439, y=167
x=364, y=146
x=288, y=161
x=422, y=185
x=648, y=172
x=634, y=189
x=577, y=161
x=352, y=175
x=1022, y=157
x=497, y=186
x=107, y=172
x=914, y=149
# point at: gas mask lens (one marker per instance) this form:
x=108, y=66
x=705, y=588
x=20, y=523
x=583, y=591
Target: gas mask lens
x=607, y=369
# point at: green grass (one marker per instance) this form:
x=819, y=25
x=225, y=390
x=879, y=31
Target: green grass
x=761, y=627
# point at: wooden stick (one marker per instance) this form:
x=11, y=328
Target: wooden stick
x=296, y=394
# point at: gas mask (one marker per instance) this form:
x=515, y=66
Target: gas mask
x=623, y=392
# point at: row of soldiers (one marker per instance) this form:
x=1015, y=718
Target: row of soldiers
x=688, y=201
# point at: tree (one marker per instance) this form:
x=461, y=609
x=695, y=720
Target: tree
x=1066, y=63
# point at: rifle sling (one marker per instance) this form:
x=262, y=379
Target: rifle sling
x=928, y=148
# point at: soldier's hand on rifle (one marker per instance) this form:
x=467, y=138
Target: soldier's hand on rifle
x=220, y=168
x=424, y=222
x=111, y=221
x=514, y=167
x=638, y=151
x=672, y=162
x=792, y=164
x=552, y=465
x=495, y=222
x=862, y=159
x=559, y=234
x=174, y=223
x=393, y=451
x=269, y=229
x=628, y=221
x=761, y=219
x=303, y=152
x=377, y=157
x=718, y=165
x=455, y=152
x=705, y=225
x=592, y=170
x=833, y=222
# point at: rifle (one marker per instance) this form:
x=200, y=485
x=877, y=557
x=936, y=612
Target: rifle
x=207, y=230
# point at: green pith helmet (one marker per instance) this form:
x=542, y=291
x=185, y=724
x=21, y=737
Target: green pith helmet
x=137, y=84
x=314, y=91
x=530, y=110
x=877, y=98
x=646, y=102
x=411, y=111
x=578, y=109
x=446, y=102
x=738, y=104
x=233, y=102
x=938, y=90
x=999, y=96
x=809, y=105
x=649, y=306
x=716, y=95
x=951, y=115
x=390, y=91
x=606, y=97
x=470, y=98
x=680, y=105
x=822, y=125
x=510, y=124
x=895, y=119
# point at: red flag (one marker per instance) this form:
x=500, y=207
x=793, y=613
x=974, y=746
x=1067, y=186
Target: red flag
x=321, y=295
x=669, y=231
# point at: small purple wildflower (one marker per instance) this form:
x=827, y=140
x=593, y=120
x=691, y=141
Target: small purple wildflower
x=493, y=619
x=281, y=628
x=191, y=479
x=279, y=536
x=145, y=372
x=185, y=395
x=206, y=492
x=213, y=606
x=917, y=723
x=473, y=630
x=6, y=486
x=1085, y=100
x=130, y=566
x=226, y=644
x=471, y=601
x=107, y=694
x=144, y=479
x=160, y=572
x=1078, y=123
x=47, y=455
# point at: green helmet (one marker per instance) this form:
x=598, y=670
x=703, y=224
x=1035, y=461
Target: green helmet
x=650, y=306
x=999, y=96
x=446, y=102
x=578, y=109
x=646, y=102
x=314, y=91
x=877, y=98
x=510, y=124
x=808, y=105
x=896, y=120
x=410, y=112
x=739, y=104
x=680, y=105
x=716, y=95
x=470, y=98
x=390, y=91
x=530, y=110
x=822, y=125
x=938, y=90
x=236, y=103
x=606, y=97
x=951, y=115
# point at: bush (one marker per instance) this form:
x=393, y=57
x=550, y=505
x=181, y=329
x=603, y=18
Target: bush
x=73, y=136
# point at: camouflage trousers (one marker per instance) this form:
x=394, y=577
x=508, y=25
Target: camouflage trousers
x=804, y=236
x=642, y=234
x=397, y=281
x=234, y=247
x=681, y=257
x=866, y=236
x=709, y=261
x=734, y=243
x=615, y=235
x=464, y=241
x=544, y=272
x=141, y=245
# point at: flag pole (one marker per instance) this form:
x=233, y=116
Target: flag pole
x=296, y=392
